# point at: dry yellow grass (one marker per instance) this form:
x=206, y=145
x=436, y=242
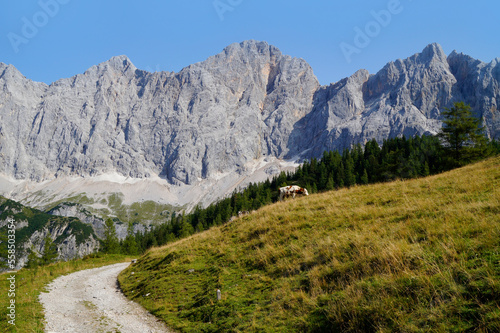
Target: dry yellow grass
x=419, y=255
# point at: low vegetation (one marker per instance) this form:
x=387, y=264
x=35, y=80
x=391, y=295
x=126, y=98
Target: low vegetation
x=407, y=256
x=31, y=282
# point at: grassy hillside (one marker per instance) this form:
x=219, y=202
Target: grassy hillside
x=408, y=256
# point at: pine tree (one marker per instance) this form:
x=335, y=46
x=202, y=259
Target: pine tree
x=340, y=175
x=426, y=172
x=323, y=176
x=4, y=253
x=364, y=177
x=463, y=135
x=110, y=243
x=33, y=259
x=350, y=177
x=218, y=219
x=330, y=185
x=281, y=181
x=186, y=227
x=129, y=244
x=49, y=254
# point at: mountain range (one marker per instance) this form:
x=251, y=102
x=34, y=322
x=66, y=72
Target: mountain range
x=240, y=116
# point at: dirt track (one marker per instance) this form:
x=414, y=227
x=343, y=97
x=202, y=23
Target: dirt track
x=90, y=301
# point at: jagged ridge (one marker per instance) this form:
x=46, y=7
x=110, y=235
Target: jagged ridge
x=248, y=102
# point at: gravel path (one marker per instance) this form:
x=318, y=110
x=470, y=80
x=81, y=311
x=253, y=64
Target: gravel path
x=90, y=301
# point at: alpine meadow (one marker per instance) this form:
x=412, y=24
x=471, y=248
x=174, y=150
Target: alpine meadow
x=406, y=256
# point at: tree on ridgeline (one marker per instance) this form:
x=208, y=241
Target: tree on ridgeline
x=463, y=135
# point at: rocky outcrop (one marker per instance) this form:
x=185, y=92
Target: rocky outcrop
x=246, y=104
x=478, y=85
x=72, y=238
x=98, y=224
x=68, y=247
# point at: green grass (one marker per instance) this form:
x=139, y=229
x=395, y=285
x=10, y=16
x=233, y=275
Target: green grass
x=76, y=199
x=140, y=211
x=408, y=256
x=29, y=284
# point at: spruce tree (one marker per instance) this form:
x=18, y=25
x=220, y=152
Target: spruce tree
x=111, y=244
x=4, y=253
x=49, y=254
x=186, y=227
x=330, y=185
x=33, y=259
x=349, y=175
x=364, y=177
x=340, y=175
x=463, y=135
x=426, y=171
x=130, y=244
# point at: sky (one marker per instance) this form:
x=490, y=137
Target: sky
x=51, y=39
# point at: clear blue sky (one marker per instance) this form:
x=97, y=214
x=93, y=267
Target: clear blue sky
x=168, y=35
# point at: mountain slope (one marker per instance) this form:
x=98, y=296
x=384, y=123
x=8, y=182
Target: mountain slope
x=73, y=238
x=405, y=97
x=234, y=118
x=209, y=118
x=407, y=256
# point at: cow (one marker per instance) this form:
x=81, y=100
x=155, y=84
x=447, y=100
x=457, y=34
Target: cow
x=291, y=190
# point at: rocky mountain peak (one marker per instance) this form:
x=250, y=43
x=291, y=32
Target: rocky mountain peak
x=9, y=72
x=120, y=63
x=455, y=57
x=433, y=52
x=250, y=54
x=252, y=48
x=461, y=64
x=115, y=65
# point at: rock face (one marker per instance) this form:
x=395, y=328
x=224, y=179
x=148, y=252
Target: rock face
x=98, y=224
x=404, y=98
x=247, y=103
x=211, y=117
x=67, y=246
x=72, y=238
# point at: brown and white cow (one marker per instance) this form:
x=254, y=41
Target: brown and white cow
x=292, y=191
